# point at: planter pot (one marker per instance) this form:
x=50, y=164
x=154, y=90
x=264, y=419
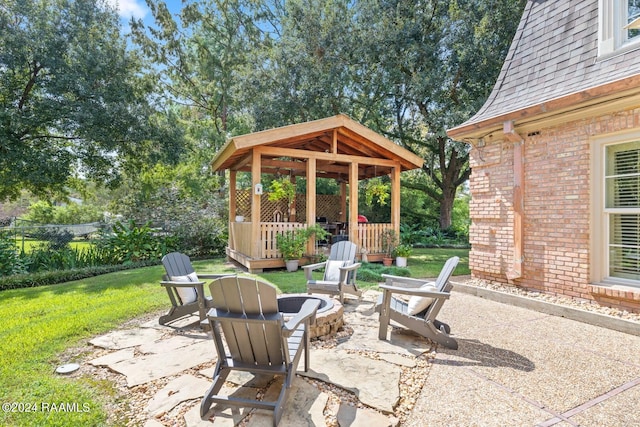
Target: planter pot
x=292, y=264
x=401, y=261
x=387, y=261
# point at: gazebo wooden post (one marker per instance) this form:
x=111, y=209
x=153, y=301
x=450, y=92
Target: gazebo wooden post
x=232, y=195
x=256, y=175
x=343, y=202
x=395, y=199
x=353, y=203
x=311, y=200
x=292, y=207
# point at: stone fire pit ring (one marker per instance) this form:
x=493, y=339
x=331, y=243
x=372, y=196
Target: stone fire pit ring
x=329, y=317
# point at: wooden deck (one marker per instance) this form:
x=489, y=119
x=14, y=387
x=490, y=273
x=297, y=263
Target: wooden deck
x=265, y=255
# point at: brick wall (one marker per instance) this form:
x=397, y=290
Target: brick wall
x=557, y=205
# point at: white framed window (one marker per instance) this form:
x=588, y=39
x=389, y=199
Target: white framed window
x=619, y=25
x=622, y=210
x=616, y=210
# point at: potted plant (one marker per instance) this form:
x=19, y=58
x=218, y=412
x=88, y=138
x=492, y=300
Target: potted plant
x=402, y=252
x=389, y=241
x=292, y=244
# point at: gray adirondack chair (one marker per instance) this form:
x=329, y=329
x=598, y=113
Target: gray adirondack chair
x=184, y=287
x=250, y=334
x=340, y=272
x=427, y=297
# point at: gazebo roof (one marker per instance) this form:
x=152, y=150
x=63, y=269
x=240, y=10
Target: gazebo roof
x=335, y=142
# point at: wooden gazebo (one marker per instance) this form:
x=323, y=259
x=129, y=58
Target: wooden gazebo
x=335, y=147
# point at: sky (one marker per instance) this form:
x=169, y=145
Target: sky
x=132, y=8
x=139, y=10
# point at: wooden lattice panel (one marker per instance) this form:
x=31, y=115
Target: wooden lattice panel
x=327, y=206
x=243, y=203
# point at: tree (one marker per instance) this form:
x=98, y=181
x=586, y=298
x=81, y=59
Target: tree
x=197, y=57
x=307, y=70
x=438, y=61
x=408, y=69
x=72, y=100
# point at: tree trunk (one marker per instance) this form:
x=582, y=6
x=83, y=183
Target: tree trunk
x=446, y=207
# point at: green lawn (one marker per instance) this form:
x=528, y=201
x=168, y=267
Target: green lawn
x=39, y=324
x=28, y=245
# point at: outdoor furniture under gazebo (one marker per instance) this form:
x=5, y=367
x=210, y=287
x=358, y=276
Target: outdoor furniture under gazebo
x=335, y=147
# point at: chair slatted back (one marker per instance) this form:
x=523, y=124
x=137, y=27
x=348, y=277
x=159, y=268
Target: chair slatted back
x=443, y=285
x=251, y=325
x=343, y=251
x=177, y=264
x=442, y=282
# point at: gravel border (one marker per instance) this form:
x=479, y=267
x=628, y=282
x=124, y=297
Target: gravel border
x=581, y=311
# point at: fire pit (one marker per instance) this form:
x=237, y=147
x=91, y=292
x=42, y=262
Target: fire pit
x=328, y=317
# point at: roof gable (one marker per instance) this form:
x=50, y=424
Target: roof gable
x=333, y=141
x=554, y=55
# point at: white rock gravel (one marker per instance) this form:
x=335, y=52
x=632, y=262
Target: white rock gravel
x=552, y=299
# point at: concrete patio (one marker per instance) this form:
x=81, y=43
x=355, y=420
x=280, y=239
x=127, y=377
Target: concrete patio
x=514, y=366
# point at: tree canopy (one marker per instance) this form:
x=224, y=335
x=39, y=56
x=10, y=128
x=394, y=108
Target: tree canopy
x=72, y=99
x=78, y=100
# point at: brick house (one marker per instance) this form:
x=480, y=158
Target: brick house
x=555, y=153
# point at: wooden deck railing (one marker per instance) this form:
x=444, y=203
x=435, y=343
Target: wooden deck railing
x=240, y=237
x=369, y=236
x=268, y=233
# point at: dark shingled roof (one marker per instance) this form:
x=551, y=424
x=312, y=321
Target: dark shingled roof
x=554, y=54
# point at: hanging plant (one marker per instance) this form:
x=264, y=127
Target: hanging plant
x=376, y=190
x=282, y=189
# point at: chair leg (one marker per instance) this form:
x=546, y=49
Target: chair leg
x=219, y=377
x=442, y=326
x=442, y=338
x=282, y=397
x=385, y=306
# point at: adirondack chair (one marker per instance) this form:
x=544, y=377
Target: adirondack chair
x=250, y=334
x=420, y=311
x=184, y=287
x=339, y=272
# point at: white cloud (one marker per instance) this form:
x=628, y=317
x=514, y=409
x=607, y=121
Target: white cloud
x=129, y=8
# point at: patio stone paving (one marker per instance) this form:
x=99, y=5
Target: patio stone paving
x=514, y=366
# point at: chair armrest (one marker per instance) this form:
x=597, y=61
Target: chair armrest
x=307, y=311
x=414, y=291
x=351, y=267
x=168, y=283
x=404, y=281
x=309, y=268
x=344, y=272
x=213, y=275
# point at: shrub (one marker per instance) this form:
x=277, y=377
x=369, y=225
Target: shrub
x=44, y=259
x=10, y=261
x=131, y=243
x=200, y=237
x=61, y=276
x=44, y=212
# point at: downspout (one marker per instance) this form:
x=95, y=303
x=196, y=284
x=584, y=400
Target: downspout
x=510, y=134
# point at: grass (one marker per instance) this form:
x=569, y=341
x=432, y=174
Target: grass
x=40, y=324
x=28, y=245
x=428, y=262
